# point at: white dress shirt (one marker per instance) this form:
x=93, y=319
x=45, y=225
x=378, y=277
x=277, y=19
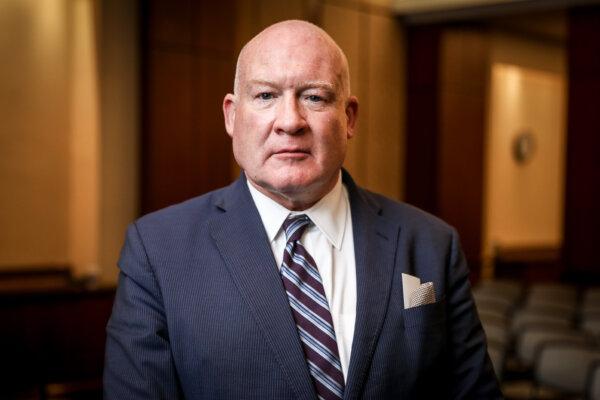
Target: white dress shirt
x=330, y=242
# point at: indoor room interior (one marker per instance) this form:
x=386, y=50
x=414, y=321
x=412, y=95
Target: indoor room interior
x=484, y=113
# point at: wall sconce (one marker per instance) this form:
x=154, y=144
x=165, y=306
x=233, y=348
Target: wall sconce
x=523, y=147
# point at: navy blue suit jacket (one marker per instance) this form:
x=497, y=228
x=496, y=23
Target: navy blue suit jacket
x=201, y=312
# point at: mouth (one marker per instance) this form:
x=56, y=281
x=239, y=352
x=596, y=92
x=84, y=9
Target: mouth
x=291, y=153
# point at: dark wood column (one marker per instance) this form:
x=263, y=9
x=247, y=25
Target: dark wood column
x=463, y=86
x=422, y=117
x=188, y=63
x=582, y=201
x=447, y=79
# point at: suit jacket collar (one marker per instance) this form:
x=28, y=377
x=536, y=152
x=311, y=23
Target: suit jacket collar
x=242, y=241
x=240, y=236
x=375, y=243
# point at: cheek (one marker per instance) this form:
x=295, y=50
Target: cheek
x=333, y=139
x=252, y=127
x=249, y=142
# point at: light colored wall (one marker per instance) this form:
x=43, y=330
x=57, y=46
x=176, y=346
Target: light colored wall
x=119, y=124
x=373, y=40
x=524, y=202
x=386, y=97
x=34, y=133
x=84, y=138
x=68, y=142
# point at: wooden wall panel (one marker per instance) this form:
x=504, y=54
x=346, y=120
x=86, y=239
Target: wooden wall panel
x=582, y=211
x=386, y=77
x=211, y=142
x=464, y=68
x=447, y=78
x=422, y=119
x=213, y=27
x=187, y=65
x=167, y=23
x=168, y=136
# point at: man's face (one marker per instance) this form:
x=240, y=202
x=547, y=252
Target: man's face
x=290, y=119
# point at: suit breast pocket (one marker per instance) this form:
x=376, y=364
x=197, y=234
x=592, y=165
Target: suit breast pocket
x=425, y=335
x=428, y=315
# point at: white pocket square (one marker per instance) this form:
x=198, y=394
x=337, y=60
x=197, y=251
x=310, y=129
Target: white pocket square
x=415, y=292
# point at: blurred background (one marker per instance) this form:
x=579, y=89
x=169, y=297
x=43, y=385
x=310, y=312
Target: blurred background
x=482, y=112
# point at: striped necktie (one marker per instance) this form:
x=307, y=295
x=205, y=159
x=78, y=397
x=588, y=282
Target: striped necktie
x=309, y=305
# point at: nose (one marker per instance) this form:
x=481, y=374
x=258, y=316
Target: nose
x=289, y=119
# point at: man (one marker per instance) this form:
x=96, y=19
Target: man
x=289, y=284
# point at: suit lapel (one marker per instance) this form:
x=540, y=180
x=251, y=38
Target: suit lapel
x=242, y=241
x=375, y=240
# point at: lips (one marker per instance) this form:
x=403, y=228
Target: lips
x=291, y=153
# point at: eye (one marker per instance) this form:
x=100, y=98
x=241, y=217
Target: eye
x=314, y=98
x=265, y=96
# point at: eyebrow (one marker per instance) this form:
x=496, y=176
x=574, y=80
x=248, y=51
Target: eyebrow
x=260, y=82
x=304, y=86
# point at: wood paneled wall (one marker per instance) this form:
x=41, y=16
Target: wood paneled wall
x=447, y=74
x=582, y=211
x=463, y=91
x=188, y=64
x=422, y=117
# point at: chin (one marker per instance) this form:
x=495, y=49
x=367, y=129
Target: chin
x=299, y=178
x=291, y=186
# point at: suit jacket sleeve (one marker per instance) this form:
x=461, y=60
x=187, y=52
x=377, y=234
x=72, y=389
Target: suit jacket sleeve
x=138, y=363
x=472, y=376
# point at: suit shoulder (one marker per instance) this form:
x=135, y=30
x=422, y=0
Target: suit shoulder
x=186, y=213
x=410, y=217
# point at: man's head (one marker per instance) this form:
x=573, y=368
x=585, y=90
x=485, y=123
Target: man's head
x=291, y=113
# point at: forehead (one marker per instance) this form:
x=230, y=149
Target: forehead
x=291, y=59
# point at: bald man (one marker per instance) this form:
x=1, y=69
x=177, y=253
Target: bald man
x=294, y=283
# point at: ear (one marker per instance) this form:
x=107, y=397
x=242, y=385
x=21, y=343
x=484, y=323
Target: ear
x=351, y=115
x=229, y=104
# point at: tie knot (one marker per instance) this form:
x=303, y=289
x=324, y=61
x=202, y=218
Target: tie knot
x=294, y=226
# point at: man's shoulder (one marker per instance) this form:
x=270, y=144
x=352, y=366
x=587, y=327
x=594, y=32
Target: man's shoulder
x=193, y=211
x=410, y=218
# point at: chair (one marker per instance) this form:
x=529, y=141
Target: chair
x=539, y=317
x=591, y=325
x=593, y=382
x=564, y=366
x=533, y=337
x=494, y=305
x=507, y=290
x=492, y=317
x=568, y=311
x=590, y=304
x=591, y=296
x=552, y=294
x=589, y=310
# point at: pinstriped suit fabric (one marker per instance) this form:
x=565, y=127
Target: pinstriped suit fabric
x=201, y=311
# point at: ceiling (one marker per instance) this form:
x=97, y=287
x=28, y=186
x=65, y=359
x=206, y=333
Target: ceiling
x=430, y=11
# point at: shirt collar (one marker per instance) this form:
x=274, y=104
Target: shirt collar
x=328, y=214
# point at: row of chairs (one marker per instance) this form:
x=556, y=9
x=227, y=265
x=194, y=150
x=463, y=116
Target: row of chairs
x=552, y=331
